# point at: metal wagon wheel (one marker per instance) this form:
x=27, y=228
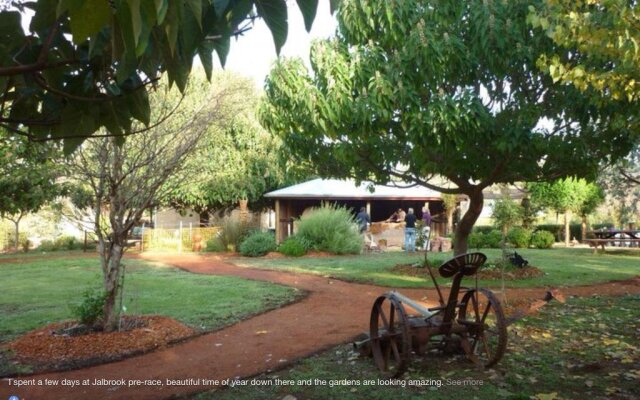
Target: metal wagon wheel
x=485, y=341
x=390, y=336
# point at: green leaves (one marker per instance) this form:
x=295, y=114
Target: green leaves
x=87, y=17
x=419, y=83
x=98, y=49
x=274, y=13
x=308, y=9
x=597, y=45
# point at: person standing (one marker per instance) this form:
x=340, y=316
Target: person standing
x=363, y=220
x=410, y=231
x=426, y=228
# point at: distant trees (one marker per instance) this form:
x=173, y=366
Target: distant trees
x=235, y=159
x=567, y=196
x=29, y=178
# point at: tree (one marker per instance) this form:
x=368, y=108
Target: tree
x=28, y=178
x=236, y=159
x=86, y=64
x=567, y=196
x=629, y=167
x=506, y=214
x=450, y=201
x=593, y=198
x=125, y=180
x=602, y=36
x=412, y=90
x=619, y=182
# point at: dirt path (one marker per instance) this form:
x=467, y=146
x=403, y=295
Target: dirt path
x=333, y=313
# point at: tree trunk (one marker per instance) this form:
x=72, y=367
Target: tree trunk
x=17, y=243
x=449, y=221
x=567, y=230
x=111, y=258
x=476, y=201
x=583, y=228
x=16, y=222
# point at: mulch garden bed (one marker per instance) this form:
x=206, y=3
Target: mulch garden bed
x=492, y=274
x=67, y=346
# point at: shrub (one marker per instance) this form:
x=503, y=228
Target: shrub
x=47, y=245
x=258, y=244
x=476, y=240
x=493, y=239
x=558, y=230
x=519, y=237
x=294, y=246
x=215, y=245
x=542, y=239
x=91, y=309
x=331, y=229
x=483, y=229
x=22, y=240
x=67, y=243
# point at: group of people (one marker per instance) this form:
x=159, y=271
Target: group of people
x=409, y=218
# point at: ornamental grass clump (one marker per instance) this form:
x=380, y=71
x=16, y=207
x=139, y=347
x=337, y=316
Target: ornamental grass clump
x=332, y=229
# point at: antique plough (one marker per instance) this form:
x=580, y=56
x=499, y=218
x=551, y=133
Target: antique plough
x=476, y=323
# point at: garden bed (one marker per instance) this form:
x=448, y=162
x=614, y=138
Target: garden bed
x=66, y=345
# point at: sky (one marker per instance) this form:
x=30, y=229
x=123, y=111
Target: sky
x=253, y=53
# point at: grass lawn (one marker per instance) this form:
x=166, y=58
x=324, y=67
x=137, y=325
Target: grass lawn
x=562, y=267
x=36, y=292
x=584, y=349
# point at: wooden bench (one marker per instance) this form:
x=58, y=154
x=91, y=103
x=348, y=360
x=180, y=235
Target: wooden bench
x=595, y=243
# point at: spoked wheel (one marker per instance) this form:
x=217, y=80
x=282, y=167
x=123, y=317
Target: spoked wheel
x=485, y=340
x=390, y=338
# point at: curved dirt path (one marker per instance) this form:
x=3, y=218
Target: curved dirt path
x=334, y=312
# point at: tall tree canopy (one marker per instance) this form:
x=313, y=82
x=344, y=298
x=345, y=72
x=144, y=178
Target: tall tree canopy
x=412, y=89
x=86, y=64
x=603, y=37
x=236, y=159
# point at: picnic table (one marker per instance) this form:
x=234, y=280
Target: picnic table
x=613, y=237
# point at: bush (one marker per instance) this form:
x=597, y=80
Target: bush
x=258, y=244
x=575, y=230
x=215, y=245
x=476, y=240
x=67, y=243
x=519, y=237
x=91, y=309
x=493, y=239
x=331, y=229
x=22, y=241
x=542, y=239
x=294, y=246
x=483, y=229
x=47, y=245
